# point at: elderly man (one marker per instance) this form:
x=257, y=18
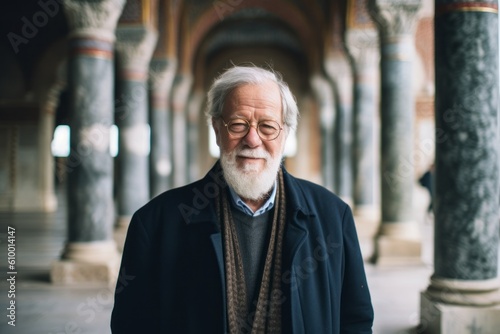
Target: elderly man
x=248, y=248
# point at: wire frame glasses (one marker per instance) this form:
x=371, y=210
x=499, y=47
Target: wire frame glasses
x=266, y=129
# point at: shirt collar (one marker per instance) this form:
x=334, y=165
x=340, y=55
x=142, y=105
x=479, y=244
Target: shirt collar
x=242, y=206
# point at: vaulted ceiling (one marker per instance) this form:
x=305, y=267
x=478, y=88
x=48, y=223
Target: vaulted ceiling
x=198, y=33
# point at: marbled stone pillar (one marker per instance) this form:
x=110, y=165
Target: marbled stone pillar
x=399, y=238
x=134, y=49
x=195, y=114
x=161, y=77
x=465, y=284
x=363, y=48
x=339, y=71
x=362, y=45
x=323, y=93
x=180, y=95
x=90, y=253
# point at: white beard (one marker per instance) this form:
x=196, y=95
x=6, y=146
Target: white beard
x=248, y=182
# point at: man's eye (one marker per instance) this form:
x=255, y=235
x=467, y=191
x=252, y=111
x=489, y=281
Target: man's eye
x=268, y=127
x=238, y=127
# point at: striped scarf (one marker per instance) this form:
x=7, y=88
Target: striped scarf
x=267, y=317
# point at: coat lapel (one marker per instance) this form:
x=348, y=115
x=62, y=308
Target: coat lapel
x=298, y=217
x=205, y=224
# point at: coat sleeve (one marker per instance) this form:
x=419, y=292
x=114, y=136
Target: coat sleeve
x=136, y=308
x=356, y=307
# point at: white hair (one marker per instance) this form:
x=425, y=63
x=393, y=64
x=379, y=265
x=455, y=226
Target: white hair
x=243, y=75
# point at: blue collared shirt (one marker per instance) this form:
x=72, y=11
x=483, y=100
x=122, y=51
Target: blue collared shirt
x=240, y=205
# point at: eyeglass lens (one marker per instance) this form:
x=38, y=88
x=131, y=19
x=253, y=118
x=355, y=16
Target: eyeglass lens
x=267, y=129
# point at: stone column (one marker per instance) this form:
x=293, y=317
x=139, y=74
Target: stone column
x=195, y=110
x=162, y=73
x=323, y=93
x=180, y=95
x=362, y=45
x=90, y=254
x=463, y=295
x=339, y=71
x=399, y=239
x=134, y=49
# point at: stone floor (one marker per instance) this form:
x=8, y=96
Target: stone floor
x=44, y=308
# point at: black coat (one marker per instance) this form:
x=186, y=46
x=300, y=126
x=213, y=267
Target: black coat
x=172, y=271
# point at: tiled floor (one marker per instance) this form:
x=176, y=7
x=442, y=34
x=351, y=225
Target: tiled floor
x=43, y=308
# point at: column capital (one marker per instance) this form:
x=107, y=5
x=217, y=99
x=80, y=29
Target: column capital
x=134, y=47
x=182, y=88
x=337, y=64
x=338, y=67
x=363, y=47
x=94, y=19
x=162, y=74
x=394, y=18
x=323, y=91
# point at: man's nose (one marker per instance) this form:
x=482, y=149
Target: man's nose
x=252, y=138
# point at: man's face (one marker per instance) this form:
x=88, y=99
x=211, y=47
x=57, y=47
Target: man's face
x=250, y=157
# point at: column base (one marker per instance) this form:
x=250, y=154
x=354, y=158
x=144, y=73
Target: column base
x=120, y=232
x=367, y=220
x=65, y=272
x=87, y=263
x=465, y=292
x=437, y=317
x=398, y=244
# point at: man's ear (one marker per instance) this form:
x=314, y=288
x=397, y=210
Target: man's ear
x=215, y=126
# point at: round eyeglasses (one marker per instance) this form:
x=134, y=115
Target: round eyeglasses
x=239, y=128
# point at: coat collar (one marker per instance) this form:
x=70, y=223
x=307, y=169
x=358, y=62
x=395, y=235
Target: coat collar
x=296, y=201
x=297, y=205
x=207, y=190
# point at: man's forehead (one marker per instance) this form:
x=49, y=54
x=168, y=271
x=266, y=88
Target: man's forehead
x=265, y=95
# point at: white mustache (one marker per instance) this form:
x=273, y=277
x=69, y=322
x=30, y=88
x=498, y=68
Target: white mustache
x=256, y=154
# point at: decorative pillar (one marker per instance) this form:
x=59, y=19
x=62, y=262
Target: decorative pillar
x=90, y=254
x=163, y=67
x=339, y=71
x=399, y=239
x=134, y=49
x=323, y=93
x=195, y=109
x=463, y=295
x=180, y=95
x=161, y=78
x=309, y=143
x=362, y=45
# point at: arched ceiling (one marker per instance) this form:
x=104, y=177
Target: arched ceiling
x=299, y=28
x=252, y=27
x=27, y=31
x=295, y=25
x=254, y=36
